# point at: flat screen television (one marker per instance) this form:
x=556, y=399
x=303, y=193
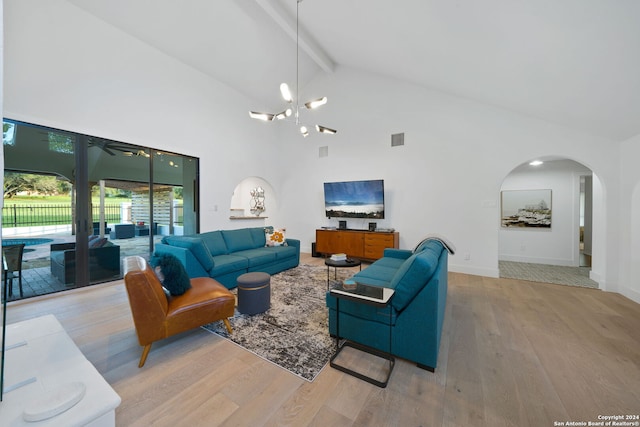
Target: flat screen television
x=354, y=199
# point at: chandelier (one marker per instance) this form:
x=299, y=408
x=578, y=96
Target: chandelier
x=286, y=94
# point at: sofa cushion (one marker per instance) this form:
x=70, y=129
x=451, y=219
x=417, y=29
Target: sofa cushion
x=414, y=273
x=283, y=252
x=389, y=262
x=238, y=240
x=258, y=235
x=215, y=242
x=195, y=245
x=171, y=273
x=381, y=273
x=258, y=256
x=227, y=264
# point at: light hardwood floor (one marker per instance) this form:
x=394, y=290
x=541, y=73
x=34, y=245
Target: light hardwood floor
x=513, y=353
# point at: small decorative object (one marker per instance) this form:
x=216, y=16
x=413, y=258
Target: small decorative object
x=339, y=257
x=54, y=402
x=257, y=201
x=140, y=223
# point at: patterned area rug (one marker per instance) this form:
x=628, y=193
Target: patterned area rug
x=294, y=332
x=559, y=275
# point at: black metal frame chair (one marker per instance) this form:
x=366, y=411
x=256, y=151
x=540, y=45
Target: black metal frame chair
x=12, y=266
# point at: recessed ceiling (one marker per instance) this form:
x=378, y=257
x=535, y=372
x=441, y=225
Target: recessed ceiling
x=572, y=62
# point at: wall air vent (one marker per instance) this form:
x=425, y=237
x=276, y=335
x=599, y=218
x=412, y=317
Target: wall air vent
x=323, y=151
x=397, y=139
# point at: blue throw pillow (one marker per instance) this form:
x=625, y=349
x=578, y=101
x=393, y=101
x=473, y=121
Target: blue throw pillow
x=174, y=277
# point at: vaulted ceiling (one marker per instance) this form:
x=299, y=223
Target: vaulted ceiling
x=570, y=62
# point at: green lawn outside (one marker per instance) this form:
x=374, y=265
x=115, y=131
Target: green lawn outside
x=25, y=211
x=58, y=200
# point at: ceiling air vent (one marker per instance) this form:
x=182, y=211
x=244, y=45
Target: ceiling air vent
x=323, y=151
x=397, y=139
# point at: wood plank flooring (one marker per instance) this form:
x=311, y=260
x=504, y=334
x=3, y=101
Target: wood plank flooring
x=513, y=353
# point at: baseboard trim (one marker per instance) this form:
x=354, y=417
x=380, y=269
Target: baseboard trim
x=474, y=271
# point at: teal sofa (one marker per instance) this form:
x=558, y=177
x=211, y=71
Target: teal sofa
x=415, y=314
x=224, y=255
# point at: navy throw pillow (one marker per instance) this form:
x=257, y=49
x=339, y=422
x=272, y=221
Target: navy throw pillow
x=174, y=277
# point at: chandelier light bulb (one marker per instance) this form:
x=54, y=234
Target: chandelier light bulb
x=323, y=129
x=283, y=115
x=267, y=117
x=286, y=93
x=316, y=103
x=304, y=131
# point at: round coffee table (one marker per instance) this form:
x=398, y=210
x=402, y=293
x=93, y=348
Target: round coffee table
x=349, y=262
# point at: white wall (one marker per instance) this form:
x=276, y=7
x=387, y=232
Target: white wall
x=630, y=220
x=66, y=69
x=558, y=245
x=445, y=179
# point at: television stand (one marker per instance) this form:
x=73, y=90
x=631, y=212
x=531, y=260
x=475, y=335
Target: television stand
x=362, y=244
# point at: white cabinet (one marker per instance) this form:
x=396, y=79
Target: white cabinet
x=41, y=359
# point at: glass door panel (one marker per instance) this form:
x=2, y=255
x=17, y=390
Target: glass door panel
x=96, y=203
x=175, y=194
x=117, y=172
x=39, y=182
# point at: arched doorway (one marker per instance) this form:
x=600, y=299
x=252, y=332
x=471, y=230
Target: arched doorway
x=548, y=240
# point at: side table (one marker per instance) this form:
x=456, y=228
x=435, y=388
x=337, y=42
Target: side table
x=349, y=262
x=142, y=230
x=370, y=295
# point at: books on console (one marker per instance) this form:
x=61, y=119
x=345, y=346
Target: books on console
x=339, y=257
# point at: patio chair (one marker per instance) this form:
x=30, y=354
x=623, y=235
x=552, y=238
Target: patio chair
x=12, y=266
x=96, y=228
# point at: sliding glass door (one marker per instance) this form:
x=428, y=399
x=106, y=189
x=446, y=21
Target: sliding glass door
x=103, y=200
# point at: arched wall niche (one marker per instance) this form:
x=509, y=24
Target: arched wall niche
x=571, y=208
x=241, y=198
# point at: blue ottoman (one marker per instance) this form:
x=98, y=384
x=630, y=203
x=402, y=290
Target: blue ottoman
x=254, y=293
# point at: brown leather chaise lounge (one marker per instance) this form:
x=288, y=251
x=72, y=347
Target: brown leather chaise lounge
x=157, y=315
